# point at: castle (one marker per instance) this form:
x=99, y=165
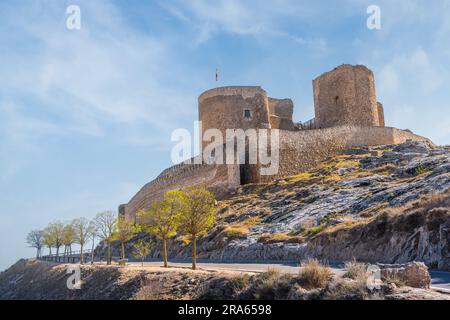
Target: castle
x=347, y=114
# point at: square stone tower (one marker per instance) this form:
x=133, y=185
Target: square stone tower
x=346, y=96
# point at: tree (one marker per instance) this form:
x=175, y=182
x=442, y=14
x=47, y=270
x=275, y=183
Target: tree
x=142, y=249
x=105, y=223
x=82, y=229
x=94, y=234
x=162, y=219
x=125, y=231
x=199, y=215
x=48, y=240
x=55, y=231
x=68, y=238
x=35, y=239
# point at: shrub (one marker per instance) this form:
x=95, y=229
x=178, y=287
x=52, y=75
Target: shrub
x=272, y=285
x=342, y=289
x=355, y=270
x=314, y=275
x=314, y=230
x=421, y=169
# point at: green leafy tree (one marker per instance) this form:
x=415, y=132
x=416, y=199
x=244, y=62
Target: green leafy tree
x=106, y=224
x=56, y=230
x=35, y=239
x=141, y=249
x=83, y=231
x=162, y=219
x=48, y=240
x=125, y=231
x=198, y=216
x=68, y=238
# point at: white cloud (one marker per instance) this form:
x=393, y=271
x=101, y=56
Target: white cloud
x=105, y=73
x=414, y=71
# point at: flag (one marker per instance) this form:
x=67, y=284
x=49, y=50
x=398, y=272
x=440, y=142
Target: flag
x=217, y=74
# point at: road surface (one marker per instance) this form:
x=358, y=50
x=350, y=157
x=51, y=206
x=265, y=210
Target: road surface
x=440, y=280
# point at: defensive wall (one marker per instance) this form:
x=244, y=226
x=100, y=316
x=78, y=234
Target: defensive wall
x=300, y=151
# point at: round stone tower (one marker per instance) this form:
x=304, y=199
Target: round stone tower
x=346, y=96
x=235, y=107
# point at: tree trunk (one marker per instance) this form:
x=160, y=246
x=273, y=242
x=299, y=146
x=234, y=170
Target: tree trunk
x=164, y=252
x=49, y=251
x=194, y=252
x=108, y=257
x=92, y=252
x=57, y=251
x=81, y=254
x=122, y=245
x=37, y=253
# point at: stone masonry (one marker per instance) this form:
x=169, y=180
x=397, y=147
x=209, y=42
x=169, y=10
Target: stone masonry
x=347, y=115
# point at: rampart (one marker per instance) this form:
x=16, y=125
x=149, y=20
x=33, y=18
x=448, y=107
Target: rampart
x=347, y=115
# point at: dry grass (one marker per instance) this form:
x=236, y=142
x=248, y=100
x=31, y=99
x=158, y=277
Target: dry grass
x=385, y=169
x=342, y=289
x=314, y=275
x=236, y=231
x=240, y=229
x=397, y=281
x=299, y=177
x=280, y=237
x=348, y=163
x=355, y=270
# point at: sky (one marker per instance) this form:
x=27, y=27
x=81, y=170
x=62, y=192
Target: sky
x=86, y=115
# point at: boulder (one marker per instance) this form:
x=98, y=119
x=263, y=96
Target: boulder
x=413, y=147
x=413, y=274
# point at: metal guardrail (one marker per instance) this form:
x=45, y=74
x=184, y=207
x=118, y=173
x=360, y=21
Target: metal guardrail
x=73, y=257
x=309, y=125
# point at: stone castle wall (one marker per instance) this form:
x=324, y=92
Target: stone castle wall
x=223, y=108
x=300, y=151
x=216, y=178
x=303, y=150
x=346, y=96
x=347, y=115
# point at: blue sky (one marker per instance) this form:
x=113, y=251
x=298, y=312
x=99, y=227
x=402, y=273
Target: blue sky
x=86, y=115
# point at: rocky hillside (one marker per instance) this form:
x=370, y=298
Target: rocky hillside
x=387, y=204
x=33, y=280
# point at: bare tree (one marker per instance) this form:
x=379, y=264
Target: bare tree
x=94, y=235
x=35, y=239
x=82, y=229
x=106, y=223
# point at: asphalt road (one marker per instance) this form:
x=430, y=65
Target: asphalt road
x=440, y=280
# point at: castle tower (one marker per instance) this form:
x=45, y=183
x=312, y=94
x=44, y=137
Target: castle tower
x=346, y=96
x=234, y=108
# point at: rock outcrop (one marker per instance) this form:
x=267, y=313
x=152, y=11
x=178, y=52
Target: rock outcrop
x=413, y=274
x=384, y=204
